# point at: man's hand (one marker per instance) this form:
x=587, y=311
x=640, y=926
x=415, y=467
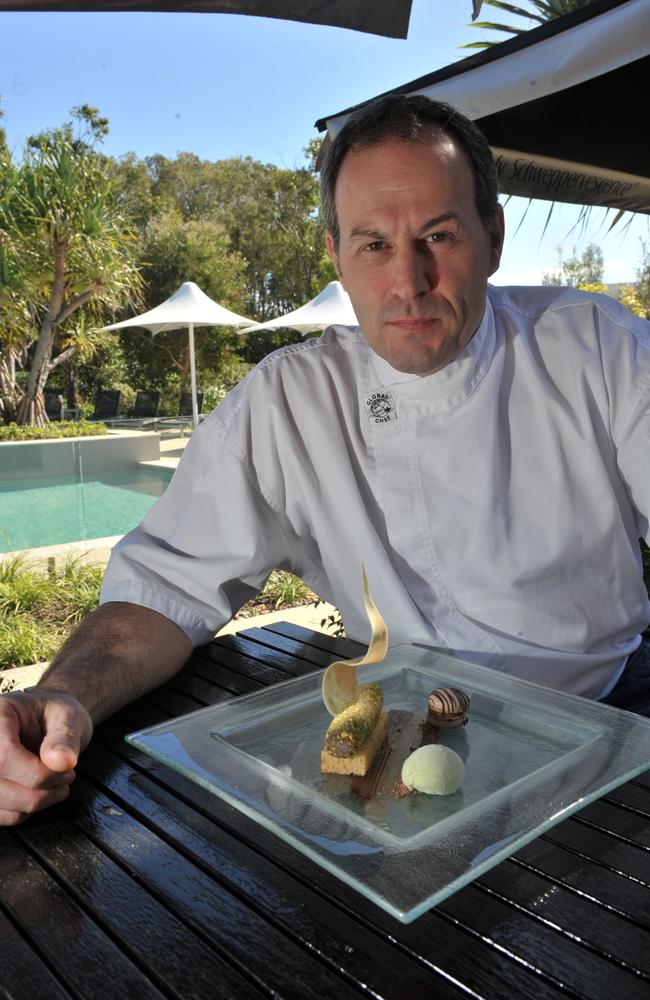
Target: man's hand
x=118, y=653
x=42, y=734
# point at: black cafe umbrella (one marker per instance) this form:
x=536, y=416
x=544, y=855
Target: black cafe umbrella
x=376, y=17
x=562, y=106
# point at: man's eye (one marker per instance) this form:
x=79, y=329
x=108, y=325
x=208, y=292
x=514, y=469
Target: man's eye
x=441, y=238
x=375, y=245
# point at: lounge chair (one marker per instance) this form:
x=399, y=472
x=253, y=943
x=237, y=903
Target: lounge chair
x=185, y=404
x=144, y=411
x=184, y=418
x=106, y=404
x=146, y=405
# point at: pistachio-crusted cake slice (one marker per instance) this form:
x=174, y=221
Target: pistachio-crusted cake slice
x=349, y=730
x=355, y=734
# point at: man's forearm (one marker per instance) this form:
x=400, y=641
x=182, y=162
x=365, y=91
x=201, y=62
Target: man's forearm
x=118, y=653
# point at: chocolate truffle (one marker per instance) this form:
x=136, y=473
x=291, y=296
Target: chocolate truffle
x=448, y=708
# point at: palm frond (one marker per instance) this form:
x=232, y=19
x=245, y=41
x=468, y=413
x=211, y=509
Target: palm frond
x=548, y=219
x=628, y=223
x=546, y=10
x=490, y=26
x=478, y=45
x=521, y=221
x=519, y=11
x=617, y=218
x=582, y=221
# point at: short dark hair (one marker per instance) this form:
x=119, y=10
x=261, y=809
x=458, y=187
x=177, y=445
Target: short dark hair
x=413, y=119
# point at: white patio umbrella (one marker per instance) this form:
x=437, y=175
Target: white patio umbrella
x=330, y=306
x=189, y=307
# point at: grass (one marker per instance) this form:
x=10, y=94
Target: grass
x=286, y=590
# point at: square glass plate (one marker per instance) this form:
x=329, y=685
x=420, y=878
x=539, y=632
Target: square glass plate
x=532, y=756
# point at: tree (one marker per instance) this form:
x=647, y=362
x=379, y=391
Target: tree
x=264, y=219
x=15, y=319
x=643, y=280
x=271, y=216
x=586, y=272
x=629, y=297
x=131, y=186
x=579, y=272
x=636, y=297
x=66, y=248
x=542, y=11
x=4, y=149
x=173, y=251
x=185, y=184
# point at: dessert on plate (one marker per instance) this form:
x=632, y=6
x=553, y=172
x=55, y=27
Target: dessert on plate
x=448, y=707
x=433, y=769
x=360, y=727
x=355, y=734
x=430, y=767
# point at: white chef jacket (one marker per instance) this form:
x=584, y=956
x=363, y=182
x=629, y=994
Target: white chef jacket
x=496, y=504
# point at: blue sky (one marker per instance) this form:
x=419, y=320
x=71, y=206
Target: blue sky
x=225, y=85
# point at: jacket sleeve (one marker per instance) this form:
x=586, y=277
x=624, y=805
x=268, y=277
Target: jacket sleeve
x=207, y=546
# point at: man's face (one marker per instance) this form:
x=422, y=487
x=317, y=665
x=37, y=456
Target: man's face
x=413, y=254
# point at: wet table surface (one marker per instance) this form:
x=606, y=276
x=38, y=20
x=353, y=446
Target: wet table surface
x=145, y=885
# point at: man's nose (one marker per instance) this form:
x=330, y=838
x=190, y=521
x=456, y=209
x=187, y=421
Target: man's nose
x=414, y=272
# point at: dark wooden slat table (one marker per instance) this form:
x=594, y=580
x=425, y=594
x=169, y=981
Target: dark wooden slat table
x=145, y=885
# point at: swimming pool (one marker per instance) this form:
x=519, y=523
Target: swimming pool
x=35, y=512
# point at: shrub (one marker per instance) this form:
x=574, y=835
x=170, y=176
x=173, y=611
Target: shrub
x=60, y=429
x=23, y=640
x=285, y=590
x=231, y=371
x=127, y=396
x=39, y=610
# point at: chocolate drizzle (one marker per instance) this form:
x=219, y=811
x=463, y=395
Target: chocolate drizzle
x=406, y=732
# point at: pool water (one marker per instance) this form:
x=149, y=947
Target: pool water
x=36, y=512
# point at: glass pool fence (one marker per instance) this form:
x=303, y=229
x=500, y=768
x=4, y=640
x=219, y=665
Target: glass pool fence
x=77, y=492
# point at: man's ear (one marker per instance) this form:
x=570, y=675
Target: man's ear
x=334, y=257
x=497, y=234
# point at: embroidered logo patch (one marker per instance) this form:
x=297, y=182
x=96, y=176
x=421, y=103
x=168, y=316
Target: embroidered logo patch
x=380, y=407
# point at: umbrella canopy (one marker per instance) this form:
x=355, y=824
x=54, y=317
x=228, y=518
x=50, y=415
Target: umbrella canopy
x=379, y=17
x=561, y=106
x=189, y=307
x=376, y=17
x=330, y=306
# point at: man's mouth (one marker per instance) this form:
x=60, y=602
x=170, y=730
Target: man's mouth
x=414, y=325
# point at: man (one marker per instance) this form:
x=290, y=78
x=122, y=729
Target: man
x=486, y=458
